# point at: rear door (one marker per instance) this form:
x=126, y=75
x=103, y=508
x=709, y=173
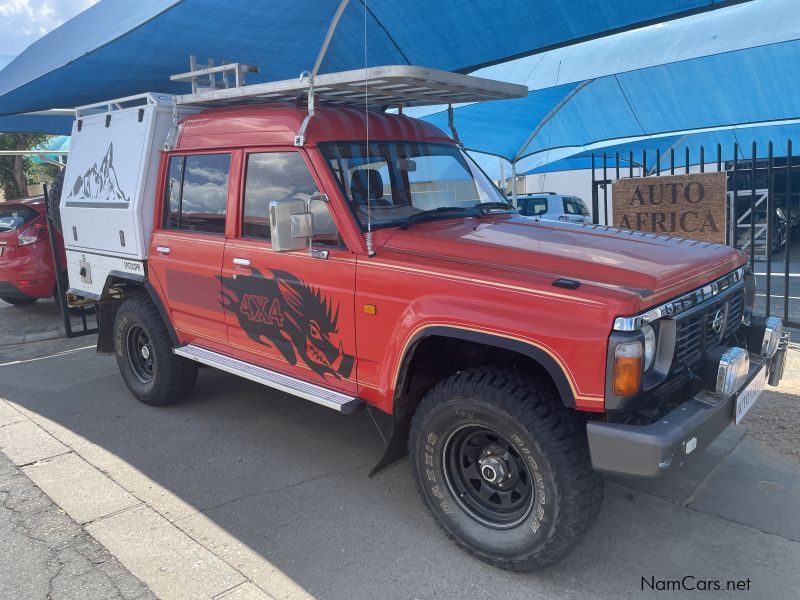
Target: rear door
x=186, y=251
x=289, y=311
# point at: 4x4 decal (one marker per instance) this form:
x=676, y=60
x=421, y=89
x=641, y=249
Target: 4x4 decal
x=293, y=316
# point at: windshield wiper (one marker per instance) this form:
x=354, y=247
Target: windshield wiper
x=435, y=213
x=486, y=207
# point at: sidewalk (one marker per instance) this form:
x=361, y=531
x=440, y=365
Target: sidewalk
x=48, y=555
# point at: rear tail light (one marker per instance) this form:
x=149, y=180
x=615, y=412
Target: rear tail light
x=32, y=234
x=627, y=368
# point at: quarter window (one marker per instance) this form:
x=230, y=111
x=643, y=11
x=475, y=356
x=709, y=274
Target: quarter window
x=196, y=193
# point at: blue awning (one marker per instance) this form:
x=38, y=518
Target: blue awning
x=118, y=48
x=744, y=82
x=36, y=124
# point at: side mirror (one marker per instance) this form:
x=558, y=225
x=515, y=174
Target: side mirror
x=291, y=225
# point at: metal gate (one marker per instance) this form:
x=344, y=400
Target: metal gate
x=763, y=210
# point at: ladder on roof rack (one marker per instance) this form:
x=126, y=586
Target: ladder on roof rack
x=204, y=77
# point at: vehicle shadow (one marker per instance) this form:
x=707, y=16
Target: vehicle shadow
x=289, y=479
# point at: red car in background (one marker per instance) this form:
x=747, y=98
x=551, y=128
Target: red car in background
x=27, y=272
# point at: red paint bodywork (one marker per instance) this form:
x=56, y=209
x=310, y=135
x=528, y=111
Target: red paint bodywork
x=493, y=275
x=29, y=268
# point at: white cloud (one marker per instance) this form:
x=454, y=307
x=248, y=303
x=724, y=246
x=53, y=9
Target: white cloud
x=24, y=21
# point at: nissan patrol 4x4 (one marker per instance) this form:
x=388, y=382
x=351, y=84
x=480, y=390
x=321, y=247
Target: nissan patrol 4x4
x=356, y=257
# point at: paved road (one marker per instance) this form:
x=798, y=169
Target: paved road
x=45, y=554
x=277, y=487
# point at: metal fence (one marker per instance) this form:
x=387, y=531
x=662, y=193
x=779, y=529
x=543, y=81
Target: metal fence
x=763, y=209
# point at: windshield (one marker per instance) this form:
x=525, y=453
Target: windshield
x=396, y=180
x=13, y=217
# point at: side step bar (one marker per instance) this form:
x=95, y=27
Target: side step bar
x=315, y=393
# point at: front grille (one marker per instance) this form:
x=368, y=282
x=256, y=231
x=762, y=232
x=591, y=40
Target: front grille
x=695, y=334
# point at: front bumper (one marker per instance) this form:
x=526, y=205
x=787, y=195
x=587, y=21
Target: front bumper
x=655, y=449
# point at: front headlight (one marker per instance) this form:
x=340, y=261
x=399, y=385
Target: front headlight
x=649, y=346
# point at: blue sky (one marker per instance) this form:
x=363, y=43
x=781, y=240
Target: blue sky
x=24, y=21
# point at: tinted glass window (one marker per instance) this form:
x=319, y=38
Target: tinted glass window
x=281, y=176
x=575, y=206
x=196, y=193
x=205, y=193
x=532, y=206
x=13, y=217
x=172, y=193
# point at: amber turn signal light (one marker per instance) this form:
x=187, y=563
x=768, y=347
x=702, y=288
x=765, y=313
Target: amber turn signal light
x=627, y=368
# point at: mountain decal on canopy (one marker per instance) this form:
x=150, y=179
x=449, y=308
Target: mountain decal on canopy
x=99, y=184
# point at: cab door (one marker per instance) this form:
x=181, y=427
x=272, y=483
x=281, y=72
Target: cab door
x=289, y=311
x=187, y=247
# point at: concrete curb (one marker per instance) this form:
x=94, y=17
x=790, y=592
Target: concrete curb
x=35, y=336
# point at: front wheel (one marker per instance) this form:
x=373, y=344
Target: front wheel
x=504, y=468
x=144, y=355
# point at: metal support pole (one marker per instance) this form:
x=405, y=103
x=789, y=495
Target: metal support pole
x=787, y=265
x=605, y=190
x=753, y=210
x=514, y=183
x=770, y=212
x=503, y=177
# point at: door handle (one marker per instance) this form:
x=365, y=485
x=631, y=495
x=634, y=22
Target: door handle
x=243, y=262
x=163, y=249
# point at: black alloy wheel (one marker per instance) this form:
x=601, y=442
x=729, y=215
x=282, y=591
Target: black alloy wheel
x=488, y=477
x=140, y=354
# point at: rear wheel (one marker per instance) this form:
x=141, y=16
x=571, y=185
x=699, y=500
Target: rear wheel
x=53, y=200
x=144, y=354
x=504, y=468
x=18, y=301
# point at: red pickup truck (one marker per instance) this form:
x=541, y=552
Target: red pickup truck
x=373, y=263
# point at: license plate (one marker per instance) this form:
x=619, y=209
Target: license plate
x=748, y=396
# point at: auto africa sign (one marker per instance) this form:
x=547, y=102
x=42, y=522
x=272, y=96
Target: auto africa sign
x=690, y=206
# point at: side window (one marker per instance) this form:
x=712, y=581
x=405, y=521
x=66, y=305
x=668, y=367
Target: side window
x=533, y=207
x=281, y=176
x=204, y=194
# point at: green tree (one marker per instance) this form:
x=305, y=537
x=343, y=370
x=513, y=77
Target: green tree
x=17, y=172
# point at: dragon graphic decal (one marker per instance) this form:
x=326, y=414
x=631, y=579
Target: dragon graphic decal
x=292, y=316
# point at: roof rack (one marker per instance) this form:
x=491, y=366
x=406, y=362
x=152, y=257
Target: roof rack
x=378, y=88
x=390, y=86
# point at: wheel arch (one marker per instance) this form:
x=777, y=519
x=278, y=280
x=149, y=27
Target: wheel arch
x=472, y=348
x=119, y=285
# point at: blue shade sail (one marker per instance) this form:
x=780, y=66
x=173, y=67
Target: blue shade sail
x=118, y=48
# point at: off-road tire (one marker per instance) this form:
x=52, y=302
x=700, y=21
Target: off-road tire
x=173, y=377
x=54, y=199
x=548, y=438
x=18, y=301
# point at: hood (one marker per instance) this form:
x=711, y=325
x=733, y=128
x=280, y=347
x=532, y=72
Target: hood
x=653, y=267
